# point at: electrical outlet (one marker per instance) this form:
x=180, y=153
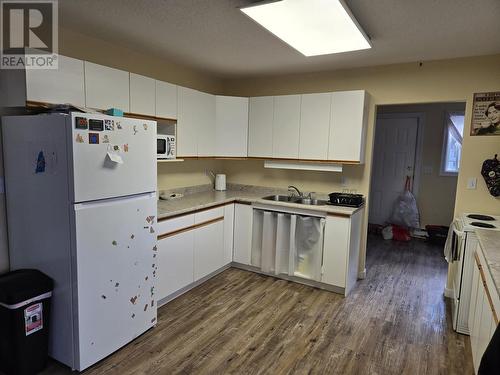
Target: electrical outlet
x=472, y=183
x=343, y=181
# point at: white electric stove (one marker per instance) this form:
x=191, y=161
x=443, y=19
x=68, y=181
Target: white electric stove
x=465, y=227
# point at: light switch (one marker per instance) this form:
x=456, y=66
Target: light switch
x=472, y=183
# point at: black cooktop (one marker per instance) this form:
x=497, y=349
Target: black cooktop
x=481, y=217
x=482, y=225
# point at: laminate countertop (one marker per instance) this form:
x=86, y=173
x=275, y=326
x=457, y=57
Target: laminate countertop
x=489, y=240
x=207, y=199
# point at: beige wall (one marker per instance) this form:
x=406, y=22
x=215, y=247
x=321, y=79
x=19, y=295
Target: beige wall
x=436, y=193
x=438, y=81
x=252, y=172
x=186, y=173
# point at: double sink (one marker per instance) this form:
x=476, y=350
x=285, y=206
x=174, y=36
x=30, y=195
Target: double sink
x=294, y=199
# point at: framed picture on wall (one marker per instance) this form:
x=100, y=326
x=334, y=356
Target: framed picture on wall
x=486, y=114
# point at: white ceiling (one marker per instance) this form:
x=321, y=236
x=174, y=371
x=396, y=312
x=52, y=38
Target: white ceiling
x=215, y=37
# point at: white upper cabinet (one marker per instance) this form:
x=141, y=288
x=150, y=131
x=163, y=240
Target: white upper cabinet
x=57, y=86
x=187, y=140
x=206, y=124
x=166, y=100
x=348, y=126
x=286, y=126
x=196, y=123
x=260, y=126
x=106, y=87
x=142, y=95
x=314, y=126
x=231, y=124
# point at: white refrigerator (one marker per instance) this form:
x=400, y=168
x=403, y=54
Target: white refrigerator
x=81, y=206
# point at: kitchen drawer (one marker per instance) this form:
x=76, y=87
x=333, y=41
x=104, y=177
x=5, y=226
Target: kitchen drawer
x=208, y=215
x=172, y=225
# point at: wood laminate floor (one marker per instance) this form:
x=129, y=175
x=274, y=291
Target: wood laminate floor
x=396, y=321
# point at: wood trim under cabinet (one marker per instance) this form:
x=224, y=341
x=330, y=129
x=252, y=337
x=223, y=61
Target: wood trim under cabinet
x=191, y=227
x=34, y=104
x=195, y=211
x=45, y=105
x=148, y=117
x=350, y=162
x=483, y=280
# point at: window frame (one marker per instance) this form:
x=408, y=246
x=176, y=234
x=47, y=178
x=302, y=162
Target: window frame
x=442, y=169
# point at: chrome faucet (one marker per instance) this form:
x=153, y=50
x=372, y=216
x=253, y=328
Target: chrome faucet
x=291, y=188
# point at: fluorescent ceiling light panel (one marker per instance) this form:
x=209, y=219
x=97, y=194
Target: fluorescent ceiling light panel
x=312, y=27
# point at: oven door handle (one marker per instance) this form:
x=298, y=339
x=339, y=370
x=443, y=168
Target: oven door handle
x=458, y=244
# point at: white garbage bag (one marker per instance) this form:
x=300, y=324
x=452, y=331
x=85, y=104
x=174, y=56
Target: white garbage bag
x=405, y=211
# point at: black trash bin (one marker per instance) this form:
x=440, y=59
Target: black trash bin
x=24, y=321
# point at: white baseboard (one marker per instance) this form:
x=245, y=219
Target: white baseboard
x=448, y=293
x=362, y=274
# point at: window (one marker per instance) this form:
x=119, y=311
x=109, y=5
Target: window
x=452, y=143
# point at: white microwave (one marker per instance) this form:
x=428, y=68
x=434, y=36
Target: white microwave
x=165, y=146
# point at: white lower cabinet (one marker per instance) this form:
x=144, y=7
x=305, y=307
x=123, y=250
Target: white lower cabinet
x=175, y=263
x=208, y=249
x=228, y=233
x=341, y=250
x=193, y=246
x=243, y=218
x=482, y=322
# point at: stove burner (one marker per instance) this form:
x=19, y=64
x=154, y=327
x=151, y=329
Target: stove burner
x=482, y=225
x=481, y=217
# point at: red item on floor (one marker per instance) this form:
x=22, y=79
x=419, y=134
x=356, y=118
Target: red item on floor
x=400, y=233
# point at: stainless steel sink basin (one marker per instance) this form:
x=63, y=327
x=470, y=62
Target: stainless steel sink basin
x=299, y=200
x=280, y=198
x=312, y=202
